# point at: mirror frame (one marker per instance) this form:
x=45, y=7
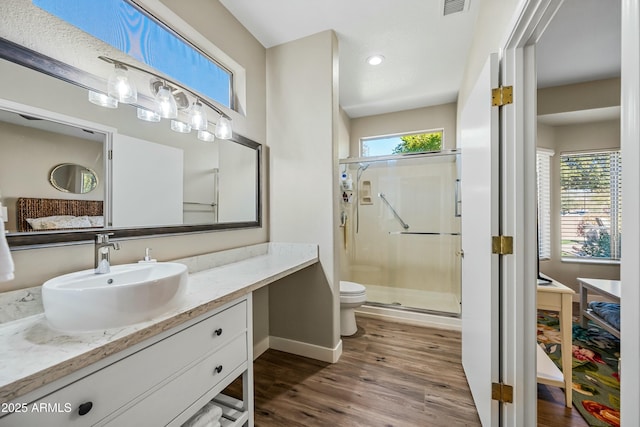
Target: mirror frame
x=25, y=57
x=54, y=183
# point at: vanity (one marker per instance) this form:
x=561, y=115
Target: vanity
x=158, y=372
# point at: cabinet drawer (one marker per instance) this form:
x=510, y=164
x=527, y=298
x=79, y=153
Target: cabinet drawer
x=115, y=385
x=163, y=405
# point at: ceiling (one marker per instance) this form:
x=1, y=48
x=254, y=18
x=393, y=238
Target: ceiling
x=426, y=52
x=581, y=43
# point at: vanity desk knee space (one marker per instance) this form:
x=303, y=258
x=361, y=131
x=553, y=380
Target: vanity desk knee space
x=159, y=372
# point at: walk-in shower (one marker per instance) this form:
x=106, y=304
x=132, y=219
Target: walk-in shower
x=400, y=228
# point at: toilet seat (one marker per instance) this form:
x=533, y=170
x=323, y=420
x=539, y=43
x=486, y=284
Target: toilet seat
x=351, y=288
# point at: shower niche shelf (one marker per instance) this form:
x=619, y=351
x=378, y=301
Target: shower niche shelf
x=365, y=193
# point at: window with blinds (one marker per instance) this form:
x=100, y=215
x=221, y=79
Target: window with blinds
x=591, y=184
x=543, y=167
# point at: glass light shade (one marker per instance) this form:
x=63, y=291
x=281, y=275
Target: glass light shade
x=198, y=117
x=178, y=126
x=120, y=87
x=223, y=128
x=148, y=115
x=206, y=136
x=166, y=105
x=102, y=100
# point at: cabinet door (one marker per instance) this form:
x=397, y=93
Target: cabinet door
x=206, y=378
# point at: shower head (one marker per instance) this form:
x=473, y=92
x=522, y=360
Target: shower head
x=361, y=168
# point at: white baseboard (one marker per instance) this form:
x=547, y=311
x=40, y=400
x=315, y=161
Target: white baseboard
x=260, y=347
x=312, y=351
x=411, y=318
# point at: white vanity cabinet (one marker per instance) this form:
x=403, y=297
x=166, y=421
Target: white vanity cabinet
x=165, y=382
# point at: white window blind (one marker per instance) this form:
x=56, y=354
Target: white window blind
x=543, y=167
x=591, y=204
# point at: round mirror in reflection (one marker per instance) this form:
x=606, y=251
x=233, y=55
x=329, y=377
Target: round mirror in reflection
x=72, y=178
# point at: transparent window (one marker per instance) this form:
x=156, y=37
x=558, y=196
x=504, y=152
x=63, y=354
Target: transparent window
x=399, y=144
x=591, y=201
x=131, y=31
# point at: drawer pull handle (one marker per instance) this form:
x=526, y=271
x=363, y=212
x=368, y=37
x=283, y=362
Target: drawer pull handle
x=218, y=331
x=218, y=369
x=84, y=408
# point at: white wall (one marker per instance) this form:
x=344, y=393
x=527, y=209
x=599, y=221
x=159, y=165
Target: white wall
x=496, y=19
x=303, y=118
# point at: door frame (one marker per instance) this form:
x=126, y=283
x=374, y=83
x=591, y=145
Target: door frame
x=518, y=191
x=630, y=271
x=518, y=122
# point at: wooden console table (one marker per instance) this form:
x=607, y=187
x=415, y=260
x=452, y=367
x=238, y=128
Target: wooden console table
x=610, y=289
x=557, y=297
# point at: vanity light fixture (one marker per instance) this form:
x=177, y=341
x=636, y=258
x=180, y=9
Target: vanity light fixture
x=120, y=86
x=102, y=100
x=375, y=59
x=148, y=115
x=169, y=98
x=198, y=116
x=180, y=126
x=223, y=128
x=166, y=106
x=206, y=136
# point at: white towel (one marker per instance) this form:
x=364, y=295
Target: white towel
x=6, y=262
x=208, y=416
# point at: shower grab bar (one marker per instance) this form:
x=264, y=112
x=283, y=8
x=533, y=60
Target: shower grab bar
x=426, y=233
x=404, y=224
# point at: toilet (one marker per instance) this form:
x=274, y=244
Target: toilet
x=352, y=296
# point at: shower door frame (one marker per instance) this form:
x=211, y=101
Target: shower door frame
x=408, y=156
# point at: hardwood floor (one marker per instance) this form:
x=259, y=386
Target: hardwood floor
x=390, y=374
x=553, y=413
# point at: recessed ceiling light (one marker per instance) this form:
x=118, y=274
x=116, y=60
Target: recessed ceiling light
x=375, y=60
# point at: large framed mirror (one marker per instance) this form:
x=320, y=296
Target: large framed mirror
x=149, y=180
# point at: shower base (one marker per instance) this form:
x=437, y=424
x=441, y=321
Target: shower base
x=430, y=302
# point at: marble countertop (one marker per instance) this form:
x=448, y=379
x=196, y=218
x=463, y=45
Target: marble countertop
x=33, y=354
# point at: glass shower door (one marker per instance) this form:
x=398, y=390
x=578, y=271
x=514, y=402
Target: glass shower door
x=402, y=235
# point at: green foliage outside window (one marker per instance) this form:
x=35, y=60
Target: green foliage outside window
x=419, y=143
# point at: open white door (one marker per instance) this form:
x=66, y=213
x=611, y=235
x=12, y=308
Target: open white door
x=480, y=221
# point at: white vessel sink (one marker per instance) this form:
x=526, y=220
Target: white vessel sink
x=130, y=293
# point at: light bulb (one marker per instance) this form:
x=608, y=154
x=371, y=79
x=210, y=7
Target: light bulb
x=223, y=128
x=166, y=104
x=121, y=87
x=198, y=117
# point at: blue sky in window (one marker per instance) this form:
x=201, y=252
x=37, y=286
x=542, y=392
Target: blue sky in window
x=380, y=146
x=127, y=29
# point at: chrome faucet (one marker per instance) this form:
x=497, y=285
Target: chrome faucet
x=102, y=258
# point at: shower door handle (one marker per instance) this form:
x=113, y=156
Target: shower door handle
x=457, y=202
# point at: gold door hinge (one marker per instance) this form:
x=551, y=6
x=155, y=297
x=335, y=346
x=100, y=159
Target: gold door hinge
x=502, y=95
x=502, y=392
x=502, y=245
